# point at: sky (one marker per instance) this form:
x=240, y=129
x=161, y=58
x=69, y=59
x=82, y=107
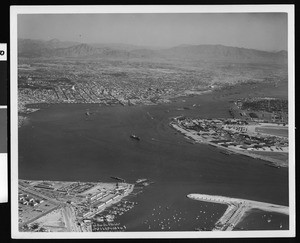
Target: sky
x=262, y=31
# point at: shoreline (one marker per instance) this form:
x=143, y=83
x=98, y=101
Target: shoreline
x=189, y=135
x=237, y=209
x=68, y=205
x=24, y=110
x=81, y=114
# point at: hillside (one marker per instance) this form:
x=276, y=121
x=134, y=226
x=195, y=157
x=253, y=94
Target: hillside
x=223, y=53
x=55, y=48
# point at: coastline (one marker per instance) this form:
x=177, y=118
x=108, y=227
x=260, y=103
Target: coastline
x=189, y=135
x=63, y=212
x=100, y=119
x=24, y=108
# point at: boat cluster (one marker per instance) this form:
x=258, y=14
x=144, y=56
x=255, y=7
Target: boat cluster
x=96, y=227
x=158, y=222
x=105, y=220
x=121, y=208
x=168, y=218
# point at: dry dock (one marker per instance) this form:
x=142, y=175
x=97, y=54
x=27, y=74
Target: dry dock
x=236, y=209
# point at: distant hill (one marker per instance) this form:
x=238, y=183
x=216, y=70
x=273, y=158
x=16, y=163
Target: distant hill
x=223, y=53
x=40, y=48
x=119, y=46
x=55, y=43
x=55, y=48
x=75, y=51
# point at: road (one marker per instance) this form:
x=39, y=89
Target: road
x=70, y=219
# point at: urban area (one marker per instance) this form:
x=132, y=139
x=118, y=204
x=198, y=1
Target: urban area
x=111, y=82
x=57, y=206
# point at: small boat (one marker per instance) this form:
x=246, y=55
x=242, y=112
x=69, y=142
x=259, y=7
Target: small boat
x=141, y=180
x=117, y=178
x=133, y=136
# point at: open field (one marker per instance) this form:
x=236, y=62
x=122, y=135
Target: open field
x=53, y=221
x=271, y=130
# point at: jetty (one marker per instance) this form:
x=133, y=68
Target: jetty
x=236, y=209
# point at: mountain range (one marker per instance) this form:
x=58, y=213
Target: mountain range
x=54, y=48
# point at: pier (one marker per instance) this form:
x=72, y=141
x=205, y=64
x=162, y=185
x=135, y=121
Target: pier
x=236, y=209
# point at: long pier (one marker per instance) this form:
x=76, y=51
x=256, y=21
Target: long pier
x=236, y=209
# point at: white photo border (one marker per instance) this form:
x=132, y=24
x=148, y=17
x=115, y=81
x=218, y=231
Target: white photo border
x=64, y=9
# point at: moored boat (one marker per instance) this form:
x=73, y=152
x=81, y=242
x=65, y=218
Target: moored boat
x=133, y=136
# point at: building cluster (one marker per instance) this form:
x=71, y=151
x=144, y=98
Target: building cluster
x=234, y=133
x=128, y=82
x=25, y=199
x=97, y=202
x=71, y=81
x=262, y=109
x=86, y=198
x=264, y=104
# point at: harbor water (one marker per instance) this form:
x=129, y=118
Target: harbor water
x=62, y=142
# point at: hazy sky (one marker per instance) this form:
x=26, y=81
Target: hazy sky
x=264, y=31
